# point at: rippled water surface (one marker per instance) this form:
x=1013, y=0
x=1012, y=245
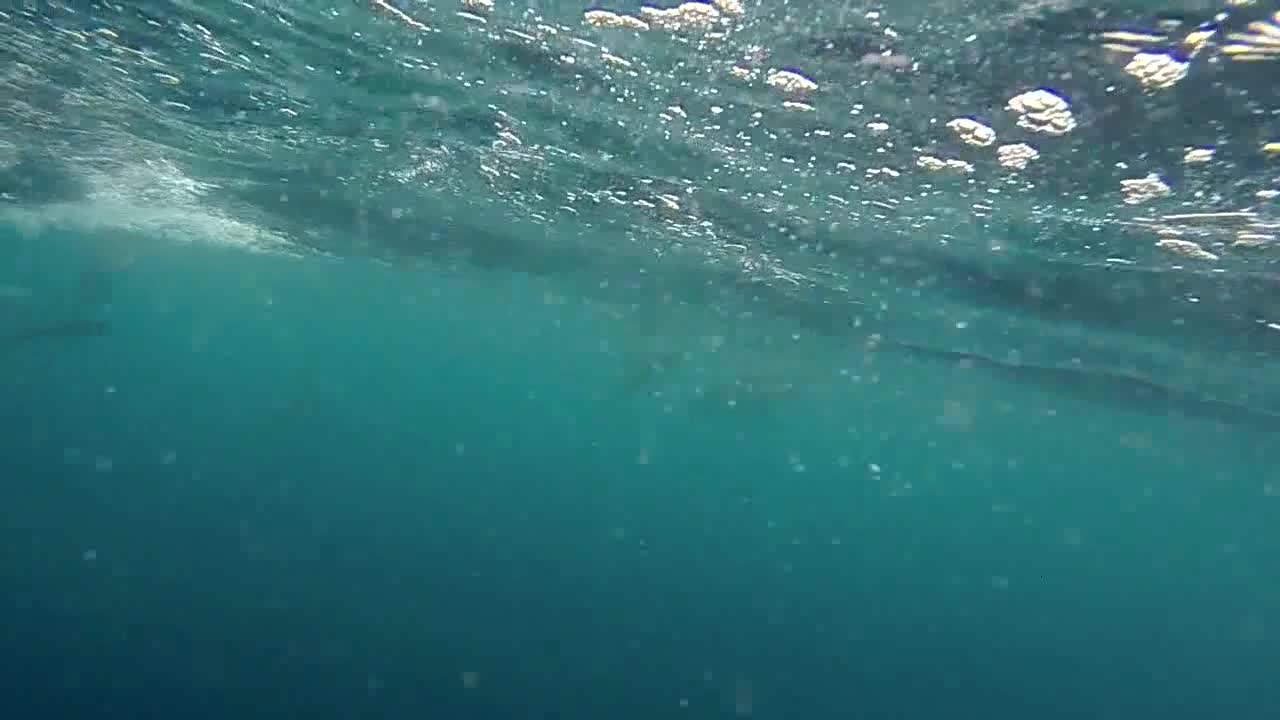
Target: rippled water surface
x=994, y=174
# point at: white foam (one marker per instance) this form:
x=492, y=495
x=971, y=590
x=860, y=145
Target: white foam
x=152, y=198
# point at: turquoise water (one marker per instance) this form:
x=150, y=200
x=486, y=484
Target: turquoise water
x=288, y=435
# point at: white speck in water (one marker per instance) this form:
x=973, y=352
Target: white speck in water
x=103, y=464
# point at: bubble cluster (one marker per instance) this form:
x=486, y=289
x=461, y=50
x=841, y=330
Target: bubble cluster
x=1043, y=111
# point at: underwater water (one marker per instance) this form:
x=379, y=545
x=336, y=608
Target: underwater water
x=406, y=359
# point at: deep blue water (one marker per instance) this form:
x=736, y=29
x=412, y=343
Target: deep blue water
x=306, y=441
x=262, y=497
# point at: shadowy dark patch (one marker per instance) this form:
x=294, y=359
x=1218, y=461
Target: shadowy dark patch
x=72, y=329
x=1102, y=386
x=38, y=178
